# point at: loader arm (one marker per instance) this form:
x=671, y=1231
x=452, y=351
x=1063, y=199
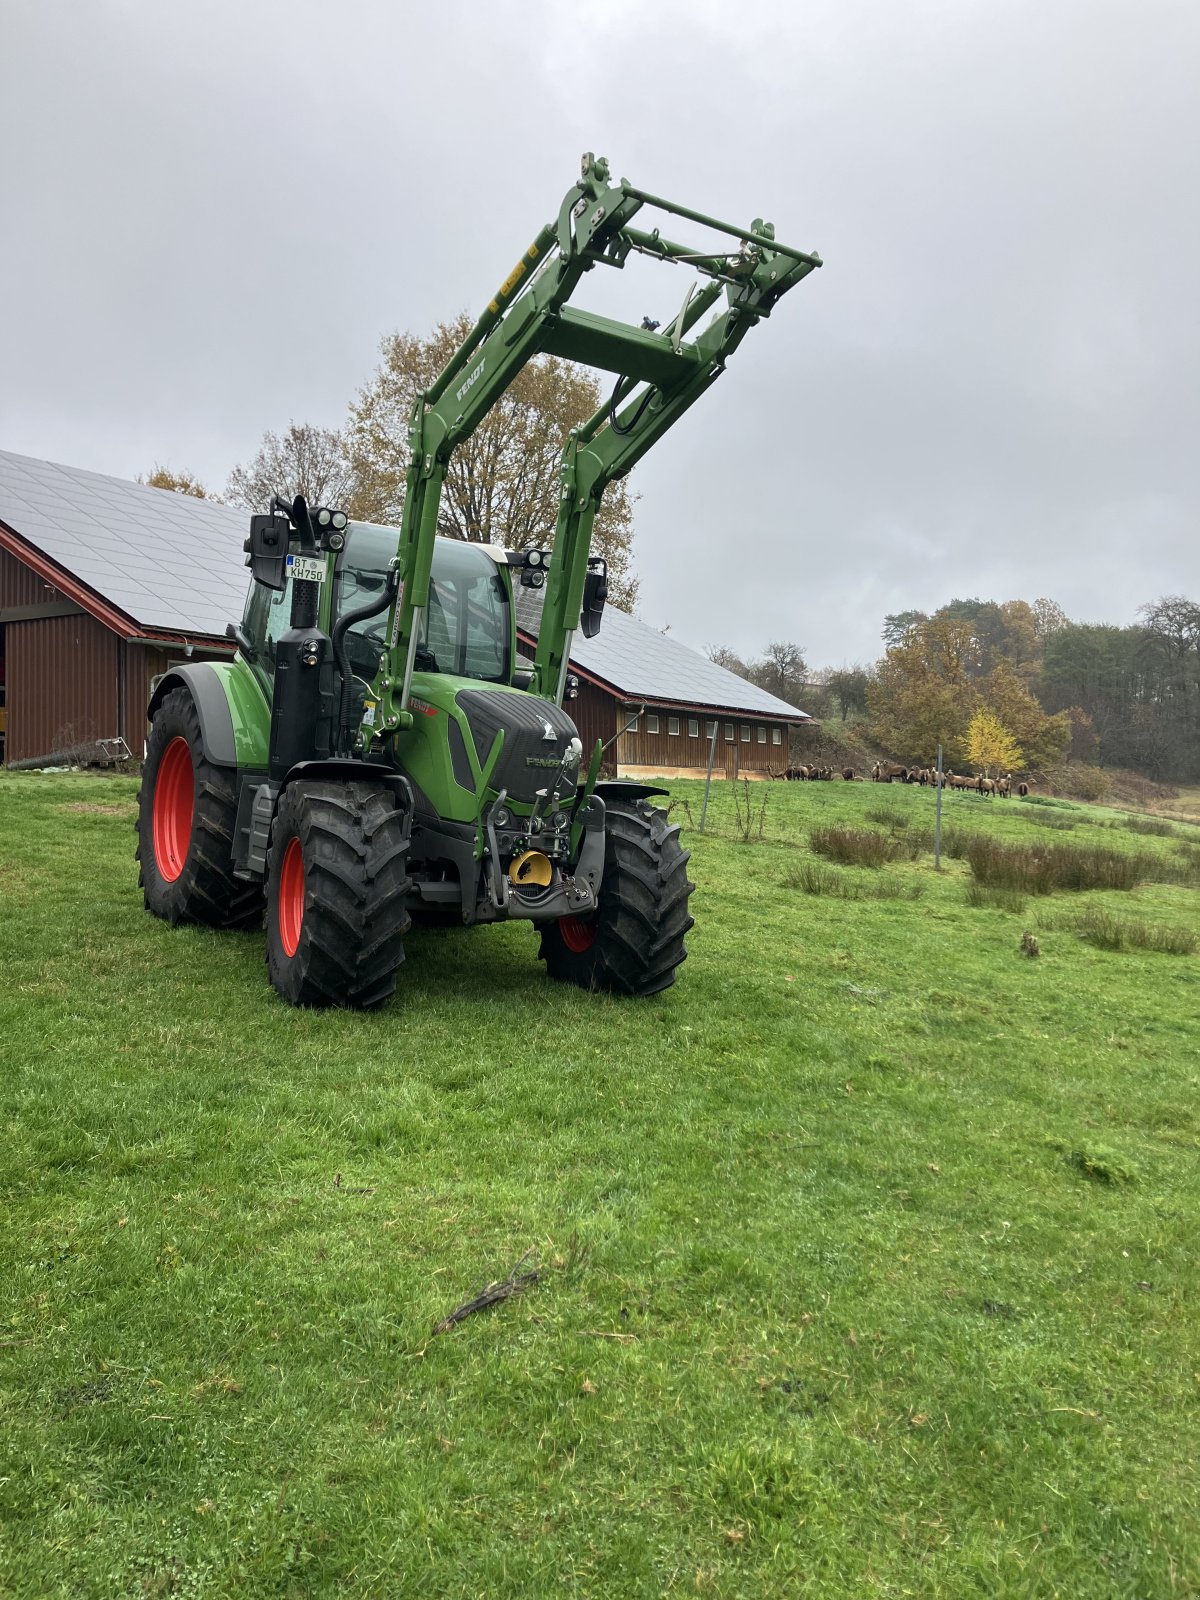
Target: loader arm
x=659, y=375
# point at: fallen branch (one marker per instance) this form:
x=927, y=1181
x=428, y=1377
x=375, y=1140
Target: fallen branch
x=516, y=1283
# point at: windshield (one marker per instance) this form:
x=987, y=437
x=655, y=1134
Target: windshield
x=466, y=631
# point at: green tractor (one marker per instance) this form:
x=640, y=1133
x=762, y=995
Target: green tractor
x=376, y=754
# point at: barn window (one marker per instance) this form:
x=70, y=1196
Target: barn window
x=762, y=735
x=632, y=724
x=652, y=722
x=729, y=730
x=673, y=727
x=693, y=728
x=709, y=730
x=745, y=733
x=775, y=736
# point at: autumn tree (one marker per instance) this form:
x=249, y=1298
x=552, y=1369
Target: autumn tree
x=303, y=460
x=990, y=746
x=923, y=693
x=502, y=484
x=1043, y=739
x=176, y=482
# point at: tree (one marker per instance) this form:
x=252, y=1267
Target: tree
x=781, y=671
x=1042, y=738
x=305, y=460
x=899, y=624
x=848, y=685
x=923, y=693
x=177, y=482
x=502, y=485
x=990, y=746
x=723, y=656
x=1048, y=617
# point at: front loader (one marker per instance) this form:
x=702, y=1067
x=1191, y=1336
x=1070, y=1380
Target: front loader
x=376, y=754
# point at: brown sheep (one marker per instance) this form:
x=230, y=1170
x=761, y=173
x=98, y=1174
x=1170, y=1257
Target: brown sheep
x=1022, y=790
x=848, y=774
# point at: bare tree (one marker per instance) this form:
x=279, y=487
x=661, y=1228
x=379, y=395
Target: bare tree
x=723, y=656
x=304, y=460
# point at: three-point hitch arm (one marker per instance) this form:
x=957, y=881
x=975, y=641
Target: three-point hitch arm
x=660, y=373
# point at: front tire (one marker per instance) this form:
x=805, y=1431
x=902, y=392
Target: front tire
x=187, y=808
x=633, y=942
x=337, y=885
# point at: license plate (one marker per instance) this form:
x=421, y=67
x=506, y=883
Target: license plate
x=306, y=569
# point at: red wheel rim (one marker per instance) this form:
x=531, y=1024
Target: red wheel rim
x=577, y=934
x=172, y=814
x=291, y=896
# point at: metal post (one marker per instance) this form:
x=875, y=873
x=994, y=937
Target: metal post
x=937, y=826
x=712, y=756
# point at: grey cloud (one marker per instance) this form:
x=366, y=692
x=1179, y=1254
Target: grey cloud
x=212, y=213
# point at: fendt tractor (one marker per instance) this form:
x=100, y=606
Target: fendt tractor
x=376, y=754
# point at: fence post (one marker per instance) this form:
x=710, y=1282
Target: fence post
x=712, y=756
x=937, y=826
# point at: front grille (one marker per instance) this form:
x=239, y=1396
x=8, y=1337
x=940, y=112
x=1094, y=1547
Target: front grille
x=529, y=759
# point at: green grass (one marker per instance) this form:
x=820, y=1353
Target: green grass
x=867, y=1252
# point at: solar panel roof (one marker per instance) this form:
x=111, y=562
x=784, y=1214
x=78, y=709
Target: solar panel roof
x=645, y=664
x=169, y=561
x=175, y=563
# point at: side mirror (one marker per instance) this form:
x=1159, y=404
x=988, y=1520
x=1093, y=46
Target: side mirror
x=267, y=549
x=595, y=593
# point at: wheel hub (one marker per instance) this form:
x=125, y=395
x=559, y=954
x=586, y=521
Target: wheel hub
x=173, y=804
x=291, y=896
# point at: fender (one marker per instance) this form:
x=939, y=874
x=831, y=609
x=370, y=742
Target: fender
x=212, y=707
x=626, y=789
x=235, y=719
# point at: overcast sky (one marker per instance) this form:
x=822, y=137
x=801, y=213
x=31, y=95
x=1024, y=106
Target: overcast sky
x=211, y=213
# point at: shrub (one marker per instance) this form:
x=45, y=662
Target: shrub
x=1079, y=782
x=1040, y=869
x=979, y=895
x=1153, y=826
x=854, y=847
x=1104, y=1165
x=812, y=878
x=888, y=816
x=1109, y=932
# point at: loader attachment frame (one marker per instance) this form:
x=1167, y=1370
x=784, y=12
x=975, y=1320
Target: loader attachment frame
x=659, y=375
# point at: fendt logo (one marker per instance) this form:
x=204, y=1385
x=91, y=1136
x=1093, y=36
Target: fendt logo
x=475, y=373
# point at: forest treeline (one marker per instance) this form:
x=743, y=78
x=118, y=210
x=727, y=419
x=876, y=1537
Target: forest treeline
x=1066, y=692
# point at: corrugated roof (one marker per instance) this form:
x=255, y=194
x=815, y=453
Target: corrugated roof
x=169, y=561
x=644, y=664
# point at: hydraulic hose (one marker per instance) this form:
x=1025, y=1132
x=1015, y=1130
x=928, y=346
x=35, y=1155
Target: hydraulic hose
x=338, y=641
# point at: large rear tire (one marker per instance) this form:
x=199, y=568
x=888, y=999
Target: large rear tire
x=337, y=886
x=187, y=808
x=633, y=942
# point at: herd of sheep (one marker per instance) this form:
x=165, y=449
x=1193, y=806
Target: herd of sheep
x=888, y=772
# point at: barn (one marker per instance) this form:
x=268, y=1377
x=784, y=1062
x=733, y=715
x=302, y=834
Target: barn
x=104, y=584
x=655, y=703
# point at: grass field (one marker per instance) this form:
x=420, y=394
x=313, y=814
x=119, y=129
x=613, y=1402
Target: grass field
x=867, y=1253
